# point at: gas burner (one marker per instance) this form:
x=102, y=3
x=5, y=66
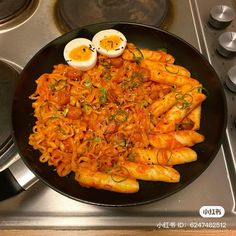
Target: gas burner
x=76, y=13
x=11, y=8
x=8, y=80
x=12, y=12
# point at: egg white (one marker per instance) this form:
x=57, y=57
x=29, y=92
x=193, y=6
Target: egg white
x=84, y=64
x=106, y=33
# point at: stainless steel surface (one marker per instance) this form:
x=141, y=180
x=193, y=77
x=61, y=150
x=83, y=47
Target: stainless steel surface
x=227, y=44
x=41, y=206
x=22, y=174
x=25, y=39
x=222, y=66
x=221, y=16
x=8, y=160
x=231, y=79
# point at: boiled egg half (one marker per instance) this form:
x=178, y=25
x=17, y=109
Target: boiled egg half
x=80, y=54
x=110, y=42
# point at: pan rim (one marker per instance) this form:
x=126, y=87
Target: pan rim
x=210, y=159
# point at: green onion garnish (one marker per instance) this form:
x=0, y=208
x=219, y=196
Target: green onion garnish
x=62, y=131
x=135, y=57
x=88, y=83
x=119, y=174
x=163, y=49
x=131, y=157
x=183, y=101
x=57, y=85
x=103, y=97
x=120, y=116
x=144, y=104
x=170, y=69
x=97, y=139
x=65, y=111
x=86, y=107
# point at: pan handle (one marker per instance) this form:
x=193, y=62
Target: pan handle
x=22, y=174
x=8, y=185
x=8, y=154
x=15, y=179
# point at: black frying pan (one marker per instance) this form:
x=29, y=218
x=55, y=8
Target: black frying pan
x=213, y=121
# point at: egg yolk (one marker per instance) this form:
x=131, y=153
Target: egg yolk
x=82, y=53
x=111, y=42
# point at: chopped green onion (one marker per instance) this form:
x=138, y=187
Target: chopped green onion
x=57, y=85
x=169, y=69
x=169, y=157
x=86, y=107
x=144, y=104
x=97, y=139
x=88, y=83
x=163, y=49
x=62, y=131
x=49, y=106
x=118, y=178
x=184, y=101
x=178, y=96
x=140, y=52
x=53, y=117
x=103, y=97
x=134, y=81
x=120, y=116
x=122, y=143
x=138, y=75
x=185, y=104
x=60, y=85
x=65, y=111
x=205, y=90
x=102, y=91
x=115, y=174
x=52, y=85
x=188, y=98
x=201, y=89
x=131, y=157
x=108, y=76
x=106, y=64
x=137, y=58
x=111, y=117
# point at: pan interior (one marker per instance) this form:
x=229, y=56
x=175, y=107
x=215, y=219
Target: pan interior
x=212, y=126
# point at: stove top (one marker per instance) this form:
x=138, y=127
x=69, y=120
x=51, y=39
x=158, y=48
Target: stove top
x=78, y=13
x=10, y=10
x=40, y=206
